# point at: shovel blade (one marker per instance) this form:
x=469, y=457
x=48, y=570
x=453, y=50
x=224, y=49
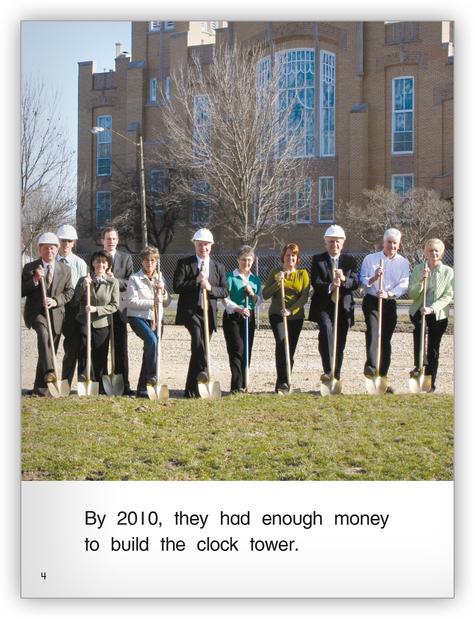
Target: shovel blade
x=87, y=388
x=157, y=392
x=330, y=387
x=376, y=385
x=59, y=388
x=211, y=389
x=113, y=384
x=421, y=383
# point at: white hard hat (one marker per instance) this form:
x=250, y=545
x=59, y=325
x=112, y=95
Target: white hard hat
x=203, y=234
x=48, y=238
x=335, y=231
x=67, y=232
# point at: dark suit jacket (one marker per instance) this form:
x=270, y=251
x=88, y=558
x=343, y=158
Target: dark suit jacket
x=122, y=270
x=185, y=284
x=61, y=290
x=321, y=278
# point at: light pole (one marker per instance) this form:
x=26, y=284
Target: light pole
x=140, y=163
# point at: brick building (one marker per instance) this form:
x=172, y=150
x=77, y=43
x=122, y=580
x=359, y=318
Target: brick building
x=379, y=112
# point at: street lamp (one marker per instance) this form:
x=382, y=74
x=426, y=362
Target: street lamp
x=143, y=206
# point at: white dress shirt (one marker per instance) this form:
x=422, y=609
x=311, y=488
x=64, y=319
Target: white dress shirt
x=395, y=278
x=77, y=265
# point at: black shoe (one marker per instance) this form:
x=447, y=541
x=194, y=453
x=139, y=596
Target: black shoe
x=389, y=389
x=128, y=391
x=191, y=394
x=202, y=377
x=141, y=394
x=39, y=393
x=81, y=378
x=369, y=371
x=432, y=389
x=282, y=387
x=50, y=377
x=325, y=377
x=414, y=373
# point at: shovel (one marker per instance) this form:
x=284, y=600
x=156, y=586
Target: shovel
x=158, y=391
x=211, y=388
x=246, y=348
x=332, y=386
x=421, y=383
x=378, y=384
x=113, y=383
x=56, y=388
x=286, y=340
x=88, y=387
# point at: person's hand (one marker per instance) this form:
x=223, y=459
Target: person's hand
x=90, y=309
x=280, y=276
x=425, y=273
x=49, y=303
x=244, y=311
x=248, y=290
x=339, y=273
x=425, y=311
x=285, y=312
x=38, y=274
x=382, y=294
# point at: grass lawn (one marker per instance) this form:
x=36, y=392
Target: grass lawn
x=246, y=437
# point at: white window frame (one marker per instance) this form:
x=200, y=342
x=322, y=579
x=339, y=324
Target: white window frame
x=200, y=203
x=101, y=195
x=168, y=82
x=168, y=26
x=404, y=112
x=153, y=98
x=394, y=177
x=201, y=123
x=104, y=145
x=158, y=187
x=283, y=210
x=154, y=26
x=208, y=26
x=303, y=201
x=327, y=78
x=321, y=199
x=292, y=89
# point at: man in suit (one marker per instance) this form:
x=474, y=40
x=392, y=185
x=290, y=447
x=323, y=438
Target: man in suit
x=332, y=270
x=192, y=275
x=58, y=292
x=122, y=269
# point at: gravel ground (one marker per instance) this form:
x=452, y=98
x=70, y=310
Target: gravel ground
x=307, y=368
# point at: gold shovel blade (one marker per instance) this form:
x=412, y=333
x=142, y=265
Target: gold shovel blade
x=158, y=392
x=113, y=384
x=377, y=385
x=421, y=383
x=330, y=387
x=211, y=389
x=59, y=389
x=87, y=388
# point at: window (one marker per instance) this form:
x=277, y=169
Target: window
x=169, y=25
x=158, y=188
x=154, y=26
x=283, y=211
x=208, y=26
x=167, y=87
x=201, y=207
x=304, y=201
x=104, y=146
x=403, y=115
x=327, y=104
x=153, y=90
x=402, y=184
x=326, y=199
x=296, y=107
x=201, y=124
x=103, y=209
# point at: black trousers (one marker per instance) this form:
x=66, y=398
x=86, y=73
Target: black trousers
x=435, y=331
x=325, y=320
x=234, y=327
x=194, y=323
x=370, y=311
x=45, y=358
x=121, y=349
x=293, y=327
x=71, y=343
x=99, y=350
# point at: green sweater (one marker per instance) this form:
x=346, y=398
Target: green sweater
x=296, y=289
x=442, y=285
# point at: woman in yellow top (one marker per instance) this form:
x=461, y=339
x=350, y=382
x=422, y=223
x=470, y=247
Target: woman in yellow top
x=440, y=294
x=296, y=288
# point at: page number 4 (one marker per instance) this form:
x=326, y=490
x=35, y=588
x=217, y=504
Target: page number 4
x=43, y=575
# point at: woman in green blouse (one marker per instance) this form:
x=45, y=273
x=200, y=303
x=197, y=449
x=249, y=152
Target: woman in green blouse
x=440, y=294
x=296, y=288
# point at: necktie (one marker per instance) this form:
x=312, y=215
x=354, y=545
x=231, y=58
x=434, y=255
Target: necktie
x=334, y=268
x=49, y=275
x=202, y=268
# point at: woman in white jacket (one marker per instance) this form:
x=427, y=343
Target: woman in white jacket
x=145, y=290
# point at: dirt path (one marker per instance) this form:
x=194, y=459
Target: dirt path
x=307, y=369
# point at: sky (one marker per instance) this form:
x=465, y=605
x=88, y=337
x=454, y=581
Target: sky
x=51, y=50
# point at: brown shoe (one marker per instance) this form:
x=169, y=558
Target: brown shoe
x=50, y=377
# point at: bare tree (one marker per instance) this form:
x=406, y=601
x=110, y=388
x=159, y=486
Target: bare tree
x=419, y=215
x=47, y=189
x=232, y=146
